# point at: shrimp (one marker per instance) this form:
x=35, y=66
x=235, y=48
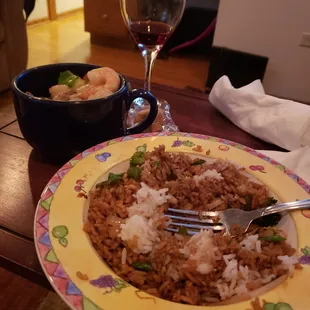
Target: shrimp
x=106, y=77
x=58, y=90
x=92, y=92
x=85, y=91
x=100, y=92
x=74, y=97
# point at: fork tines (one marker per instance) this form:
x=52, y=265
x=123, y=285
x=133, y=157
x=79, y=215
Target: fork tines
x=193, y=221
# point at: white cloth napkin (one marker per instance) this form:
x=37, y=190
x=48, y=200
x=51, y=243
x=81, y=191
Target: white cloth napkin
x=298, y=161
x=282, y=122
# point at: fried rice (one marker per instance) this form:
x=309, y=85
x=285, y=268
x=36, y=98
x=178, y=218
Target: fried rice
x=127, y=227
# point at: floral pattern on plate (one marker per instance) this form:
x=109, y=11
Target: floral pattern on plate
x=60, y=232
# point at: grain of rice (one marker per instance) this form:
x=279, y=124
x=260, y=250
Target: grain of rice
x=124, y=256
x=140, y=229
x=208, y=174
x=289, y=262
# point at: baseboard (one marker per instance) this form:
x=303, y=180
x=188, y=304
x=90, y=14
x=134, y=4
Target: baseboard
x=241, y=68
x=70, y=12
x=37, y=21
x=46, y=19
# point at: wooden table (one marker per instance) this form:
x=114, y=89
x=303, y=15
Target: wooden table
x=23, y=176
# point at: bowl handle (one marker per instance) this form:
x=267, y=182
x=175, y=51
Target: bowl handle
x=148, y=121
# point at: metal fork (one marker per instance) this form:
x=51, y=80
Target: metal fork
x=194, y=221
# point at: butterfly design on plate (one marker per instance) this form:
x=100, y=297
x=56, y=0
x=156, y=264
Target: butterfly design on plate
x=103, y=156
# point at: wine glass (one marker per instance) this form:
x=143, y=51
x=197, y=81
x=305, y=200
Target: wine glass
x=151, y=22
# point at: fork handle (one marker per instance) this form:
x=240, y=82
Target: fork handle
x=286, y=206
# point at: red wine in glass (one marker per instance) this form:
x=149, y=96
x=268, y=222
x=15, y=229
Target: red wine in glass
x=151, y=22
x=150, y=34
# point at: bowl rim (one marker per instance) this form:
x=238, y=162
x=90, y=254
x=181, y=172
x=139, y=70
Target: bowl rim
x=34, y=99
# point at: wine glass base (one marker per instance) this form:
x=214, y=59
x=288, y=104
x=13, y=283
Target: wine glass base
x=163, y=122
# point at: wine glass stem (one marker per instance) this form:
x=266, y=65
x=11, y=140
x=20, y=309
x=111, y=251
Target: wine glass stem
x=149, y=56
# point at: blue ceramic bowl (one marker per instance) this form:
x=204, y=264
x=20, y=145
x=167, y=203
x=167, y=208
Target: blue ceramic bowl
x=60, y=130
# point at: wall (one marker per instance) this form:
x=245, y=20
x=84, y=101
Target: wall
x=272, y=29
x=68, y=5
x=40, y=11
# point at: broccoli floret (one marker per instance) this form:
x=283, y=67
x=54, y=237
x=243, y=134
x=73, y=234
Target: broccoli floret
x=112, y=178
x=142, y=266
x=134, y=173
x=137, y=159
x=272, y=238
